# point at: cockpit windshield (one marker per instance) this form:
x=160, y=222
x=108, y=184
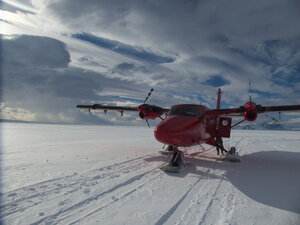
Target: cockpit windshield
x=183, y=111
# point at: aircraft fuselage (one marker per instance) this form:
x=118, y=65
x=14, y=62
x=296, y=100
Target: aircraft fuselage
x=189, y=125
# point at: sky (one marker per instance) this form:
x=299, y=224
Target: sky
x=60, y=53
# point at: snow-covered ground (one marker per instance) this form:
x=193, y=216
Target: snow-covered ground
x=72, y=174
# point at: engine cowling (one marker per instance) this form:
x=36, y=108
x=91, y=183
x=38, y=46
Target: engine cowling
x=150, y=111
x=250, y=111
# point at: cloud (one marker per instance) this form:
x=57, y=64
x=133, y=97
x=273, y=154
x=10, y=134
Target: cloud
x=183, y=23
x=9, y=113
x=23, y=52
x=115, y=51
x=46, y=85
x=124, y=49
x=15, y=6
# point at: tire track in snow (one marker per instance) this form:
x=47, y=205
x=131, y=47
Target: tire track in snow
x=24, y=198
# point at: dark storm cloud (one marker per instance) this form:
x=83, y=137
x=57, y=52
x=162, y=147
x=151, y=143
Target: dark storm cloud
x=77, y=10
x=89, y=61
x=128, y=69
x=12, y=8
x=25, y=51
x=237, y=39
x=37, y=78
x=186, y=22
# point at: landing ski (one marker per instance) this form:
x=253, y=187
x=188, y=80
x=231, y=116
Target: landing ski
x=174, y=169
x=167, y=153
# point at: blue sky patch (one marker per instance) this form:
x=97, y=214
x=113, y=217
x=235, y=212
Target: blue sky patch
x=216, y=81
x=124, y=49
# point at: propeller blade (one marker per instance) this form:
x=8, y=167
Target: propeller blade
x=148, y=95
x=275, y=119
x=272, y=118
x=148, y=123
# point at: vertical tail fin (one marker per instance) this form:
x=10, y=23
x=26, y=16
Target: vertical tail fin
x=219, y=99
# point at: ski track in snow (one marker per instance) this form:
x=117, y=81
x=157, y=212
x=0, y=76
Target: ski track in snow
x=199, y=203
x=127, y=178
x=46, y=194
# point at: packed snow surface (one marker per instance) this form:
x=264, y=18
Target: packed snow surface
x=75, y=174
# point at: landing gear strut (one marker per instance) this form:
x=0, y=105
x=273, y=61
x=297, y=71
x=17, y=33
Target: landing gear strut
x=168, y=151
x=176, y=159
x=175, y=163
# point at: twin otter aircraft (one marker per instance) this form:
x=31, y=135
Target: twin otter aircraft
x=188, y=125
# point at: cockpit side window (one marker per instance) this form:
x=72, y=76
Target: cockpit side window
x=183, y=111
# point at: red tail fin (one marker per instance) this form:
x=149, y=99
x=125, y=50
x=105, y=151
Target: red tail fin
x=219, y=99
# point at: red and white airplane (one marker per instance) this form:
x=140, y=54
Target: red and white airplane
x=187, y=125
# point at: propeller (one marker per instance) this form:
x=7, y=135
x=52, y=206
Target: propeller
x=150, y=92
x=148, y=95
x=148, y=123
x=276, y=120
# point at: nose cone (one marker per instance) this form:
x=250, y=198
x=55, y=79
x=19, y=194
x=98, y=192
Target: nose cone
x=178, y=131
x=163, y=132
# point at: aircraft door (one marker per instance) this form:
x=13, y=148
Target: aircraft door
x=224, y=127
x=211, y=125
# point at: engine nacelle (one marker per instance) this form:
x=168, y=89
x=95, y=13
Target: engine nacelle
x=151, y=112
x=250, y=115
x=250, y=111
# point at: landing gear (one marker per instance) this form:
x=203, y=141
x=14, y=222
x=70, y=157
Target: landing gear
x=170, y=148
x=176, y=158
x=175, y=163
x=168, y=151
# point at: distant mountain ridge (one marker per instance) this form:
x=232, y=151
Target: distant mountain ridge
x=263, y=126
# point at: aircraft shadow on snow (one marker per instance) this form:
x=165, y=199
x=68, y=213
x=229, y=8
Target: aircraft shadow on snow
x=268, y=177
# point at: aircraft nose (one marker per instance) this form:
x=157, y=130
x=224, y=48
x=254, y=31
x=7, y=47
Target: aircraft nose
x=162, y=133
x=166, y=130
x=178, y=131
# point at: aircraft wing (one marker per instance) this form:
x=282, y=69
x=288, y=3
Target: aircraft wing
x=286, y=108
x=104, y=107
x=253, y=108
x=145, y=111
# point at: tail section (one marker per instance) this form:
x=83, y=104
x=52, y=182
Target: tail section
x=219, y=99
